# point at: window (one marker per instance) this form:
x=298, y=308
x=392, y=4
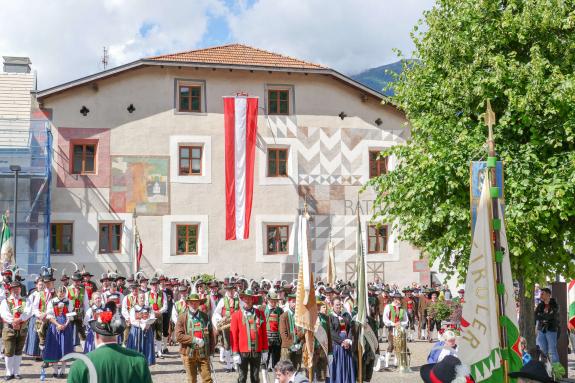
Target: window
x=190, y=160
x=277, y=162
x=277, y=239
x=377, y=164
x=278, y=101
x=190, y=98
x=110, y=237
x=186, y=239
x=84, y=158
x=61, y=238
x=377, y=239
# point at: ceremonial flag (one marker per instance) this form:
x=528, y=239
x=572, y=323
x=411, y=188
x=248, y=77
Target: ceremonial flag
x=331, y=272
x=479, y=345
x=240, y=118
x=6, y=242
x=361, y=285
x=305, y=304
x=571, y=302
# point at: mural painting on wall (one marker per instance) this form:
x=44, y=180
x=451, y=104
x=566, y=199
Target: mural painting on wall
x=140, y=184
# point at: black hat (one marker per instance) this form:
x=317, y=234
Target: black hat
x=109, y=322
x=86, y=273
x=105, y=277
x=15, y=284
x=431, y=292
x=445, y=371
x=214, y=284
x=64, y=278
x=533, y=370
x=154, y=281
x=48, y=278
x=76, y=276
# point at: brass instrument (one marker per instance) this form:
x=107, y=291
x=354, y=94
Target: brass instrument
x=403, y=355
x=224, y=324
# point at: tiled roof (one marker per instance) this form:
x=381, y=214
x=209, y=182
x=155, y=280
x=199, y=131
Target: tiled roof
x=238, y=54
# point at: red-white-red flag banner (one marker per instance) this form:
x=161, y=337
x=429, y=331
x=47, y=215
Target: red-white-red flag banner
x=240, y=116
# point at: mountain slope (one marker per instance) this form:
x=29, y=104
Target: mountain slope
x=378, y=78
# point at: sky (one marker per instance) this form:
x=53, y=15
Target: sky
x=65, y=38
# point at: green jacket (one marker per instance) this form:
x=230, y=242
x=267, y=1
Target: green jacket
x=114, y=364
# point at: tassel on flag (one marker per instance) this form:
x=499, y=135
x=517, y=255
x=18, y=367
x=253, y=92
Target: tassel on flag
x=240, y=117
x=139, y=249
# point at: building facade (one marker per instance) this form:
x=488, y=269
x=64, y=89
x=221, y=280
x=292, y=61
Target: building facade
x=141, y=148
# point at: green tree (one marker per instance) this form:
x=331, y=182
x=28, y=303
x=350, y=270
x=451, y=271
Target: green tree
x=520, y=54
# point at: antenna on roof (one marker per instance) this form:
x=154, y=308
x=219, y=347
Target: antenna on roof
x=105, y=57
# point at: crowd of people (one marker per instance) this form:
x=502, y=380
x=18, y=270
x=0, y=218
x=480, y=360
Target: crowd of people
x=249, y=325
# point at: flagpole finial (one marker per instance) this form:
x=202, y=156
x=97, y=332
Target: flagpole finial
x=489, y=119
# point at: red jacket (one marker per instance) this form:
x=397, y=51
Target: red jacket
x=239, y=336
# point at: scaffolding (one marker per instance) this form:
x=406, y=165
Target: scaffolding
x=28, y=144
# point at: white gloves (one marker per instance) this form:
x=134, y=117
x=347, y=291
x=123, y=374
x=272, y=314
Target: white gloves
x=349, y=342
x=237, y=359
x=329, y=360
x=264, y=357
x=198, y=342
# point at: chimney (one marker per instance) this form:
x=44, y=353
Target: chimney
x=16, y=64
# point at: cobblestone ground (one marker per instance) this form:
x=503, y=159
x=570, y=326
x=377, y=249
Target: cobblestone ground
x=170, y=370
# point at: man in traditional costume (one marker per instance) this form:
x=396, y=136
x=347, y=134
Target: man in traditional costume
x=394, y=316
x=80, y=303
x=195, y=335
x=249, y=338
x=128, y=302
x=157, y=300
x=15, y=314
x=222, y=315
x=410, y=305
x=322, y=355
x=292, y=336
x=112, y=362
x=273, y=313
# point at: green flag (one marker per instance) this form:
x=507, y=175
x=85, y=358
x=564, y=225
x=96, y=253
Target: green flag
x=6, y=242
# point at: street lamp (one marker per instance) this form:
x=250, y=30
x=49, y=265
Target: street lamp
x=16, y=169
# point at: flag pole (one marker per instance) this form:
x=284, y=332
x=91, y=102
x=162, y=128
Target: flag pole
x=498, y=251
x=360, y=335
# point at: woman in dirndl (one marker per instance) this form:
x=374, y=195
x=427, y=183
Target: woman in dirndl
x=32, y=344
x=60, y=335
x=142, y=334
x=343, y=368
x=96, y=307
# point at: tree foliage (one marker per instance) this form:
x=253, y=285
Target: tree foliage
x=520, y=54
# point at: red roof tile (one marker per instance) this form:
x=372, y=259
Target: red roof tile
x=238, y=54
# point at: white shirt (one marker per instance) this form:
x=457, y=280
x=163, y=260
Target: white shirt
x=6, y=314
x=387, y=317
x=125, y=310
x=218, y=310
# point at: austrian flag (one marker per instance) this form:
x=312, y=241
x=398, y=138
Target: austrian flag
x=240, y=117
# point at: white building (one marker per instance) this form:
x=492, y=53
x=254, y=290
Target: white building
x=148, y=137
